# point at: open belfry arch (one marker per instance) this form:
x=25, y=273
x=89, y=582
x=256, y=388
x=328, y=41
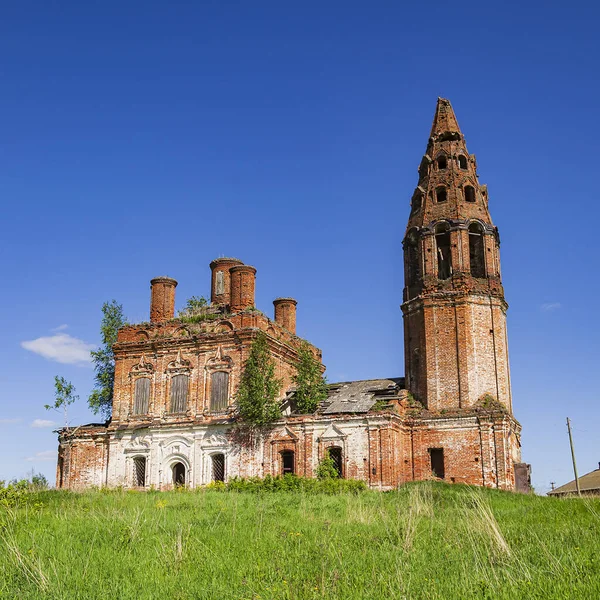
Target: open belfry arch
x=450, y=418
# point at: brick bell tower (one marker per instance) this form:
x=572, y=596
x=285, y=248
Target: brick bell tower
x=455, y=343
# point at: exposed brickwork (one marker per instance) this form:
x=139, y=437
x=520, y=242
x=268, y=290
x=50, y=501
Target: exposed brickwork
x=162, y=299
x=176, y=379
x=285, y=313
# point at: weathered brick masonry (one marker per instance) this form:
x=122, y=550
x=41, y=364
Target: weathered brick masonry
x=176, y=378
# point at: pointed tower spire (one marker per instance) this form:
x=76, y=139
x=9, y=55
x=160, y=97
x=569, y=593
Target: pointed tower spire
x=454, y=307
x=444, y=121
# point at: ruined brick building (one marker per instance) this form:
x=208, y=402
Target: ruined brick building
x=450, y=417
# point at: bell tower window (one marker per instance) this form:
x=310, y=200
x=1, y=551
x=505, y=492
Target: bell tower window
x=462, y=162
x=442, y=163
x=476, y=250
x=412, y=259
x=441, y=195
x=469, y=193
x=444, y=255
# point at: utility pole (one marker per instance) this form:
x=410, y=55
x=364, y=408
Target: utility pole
x=573, y=457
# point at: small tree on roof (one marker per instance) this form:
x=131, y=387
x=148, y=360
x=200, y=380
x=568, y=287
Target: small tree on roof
x=257, y=397
x=311, y=386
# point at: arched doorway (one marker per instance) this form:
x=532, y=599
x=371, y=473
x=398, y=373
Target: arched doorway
x=179, y=474
x=218, y=467
x=335, y=453
x=287, y=462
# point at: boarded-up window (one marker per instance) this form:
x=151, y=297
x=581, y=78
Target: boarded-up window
x=179, y=391
x=220, y=283
x=139, y=471
x=219, y=391
x=141, y=396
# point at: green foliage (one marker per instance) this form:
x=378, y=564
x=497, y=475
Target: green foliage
x=100, y=400
x=64, y=396
x=326, y=468
x=380, y=405
x=311, y=387
x=293, y=483
x=194, y=304
x=259, y=388
x=199, y=317
x=425, y=541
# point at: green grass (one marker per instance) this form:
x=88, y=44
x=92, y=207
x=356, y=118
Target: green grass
x=426, y=540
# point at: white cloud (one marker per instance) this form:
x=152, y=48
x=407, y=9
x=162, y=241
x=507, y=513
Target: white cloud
x=61, y=348
x=550, y=306
x=42, y=423
x=60, y=328
x=47, y=455
x=9, y=421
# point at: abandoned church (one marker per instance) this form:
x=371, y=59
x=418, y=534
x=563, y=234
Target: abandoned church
x=451, y=416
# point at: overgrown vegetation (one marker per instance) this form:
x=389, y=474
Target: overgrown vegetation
x=311, y=386
x=426, y=541
x=259, y=388
x=292, y=483
x=64, y=396
x=100, y=400
x=326, y=468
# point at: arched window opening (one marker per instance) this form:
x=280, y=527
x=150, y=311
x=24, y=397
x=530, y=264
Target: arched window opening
x=219, y=391
x=179, y=393
x=335, y=453
x=444, y=255
x=462, y=162
x=141, y=396
x=476, y=250
x=442, y=163
x=139, y=471
x=469, y=193
x=412, y=260
x=441, y=195
x=218, y=467
x=287, y=462
x=179, y=474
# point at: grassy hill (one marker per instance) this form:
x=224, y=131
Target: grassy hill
x=427, y=540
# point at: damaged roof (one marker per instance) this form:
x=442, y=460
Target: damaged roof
x=360, y=396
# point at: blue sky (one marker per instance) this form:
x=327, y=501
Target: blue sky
x=144, y=139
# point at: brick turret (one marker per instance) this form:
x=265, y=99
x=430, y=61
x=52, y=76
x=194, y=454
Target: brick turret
x=220, y=289
x=162, y=299
x=285, y=313
x=454, y=309
x=243, y=279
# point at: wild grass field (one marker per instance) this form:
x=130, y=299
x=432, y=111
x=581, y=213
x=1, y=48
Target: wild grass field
x=427, y=540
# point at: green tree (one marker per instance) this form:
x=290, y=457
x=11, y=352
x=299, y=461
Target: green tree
x=326, y=468
x=311, y=386
x=100, y=400
x=259, y=388
x=64, y=396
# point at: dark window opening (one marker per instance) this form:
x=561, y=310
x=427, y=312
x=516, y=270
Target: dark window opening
x=412, y=261
x=218, y=467
x=335, y=454
x=444, y=255
x=437, y=462
x=139, y=471
x=219, y=391
x=179, y=391
x=141, y=396
x=476, y=250
x=470, y=193
x=287, y=460
x=441, y=195
x=179, y=474
x=442, y=163
x=61, y=468
x=462, y=162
